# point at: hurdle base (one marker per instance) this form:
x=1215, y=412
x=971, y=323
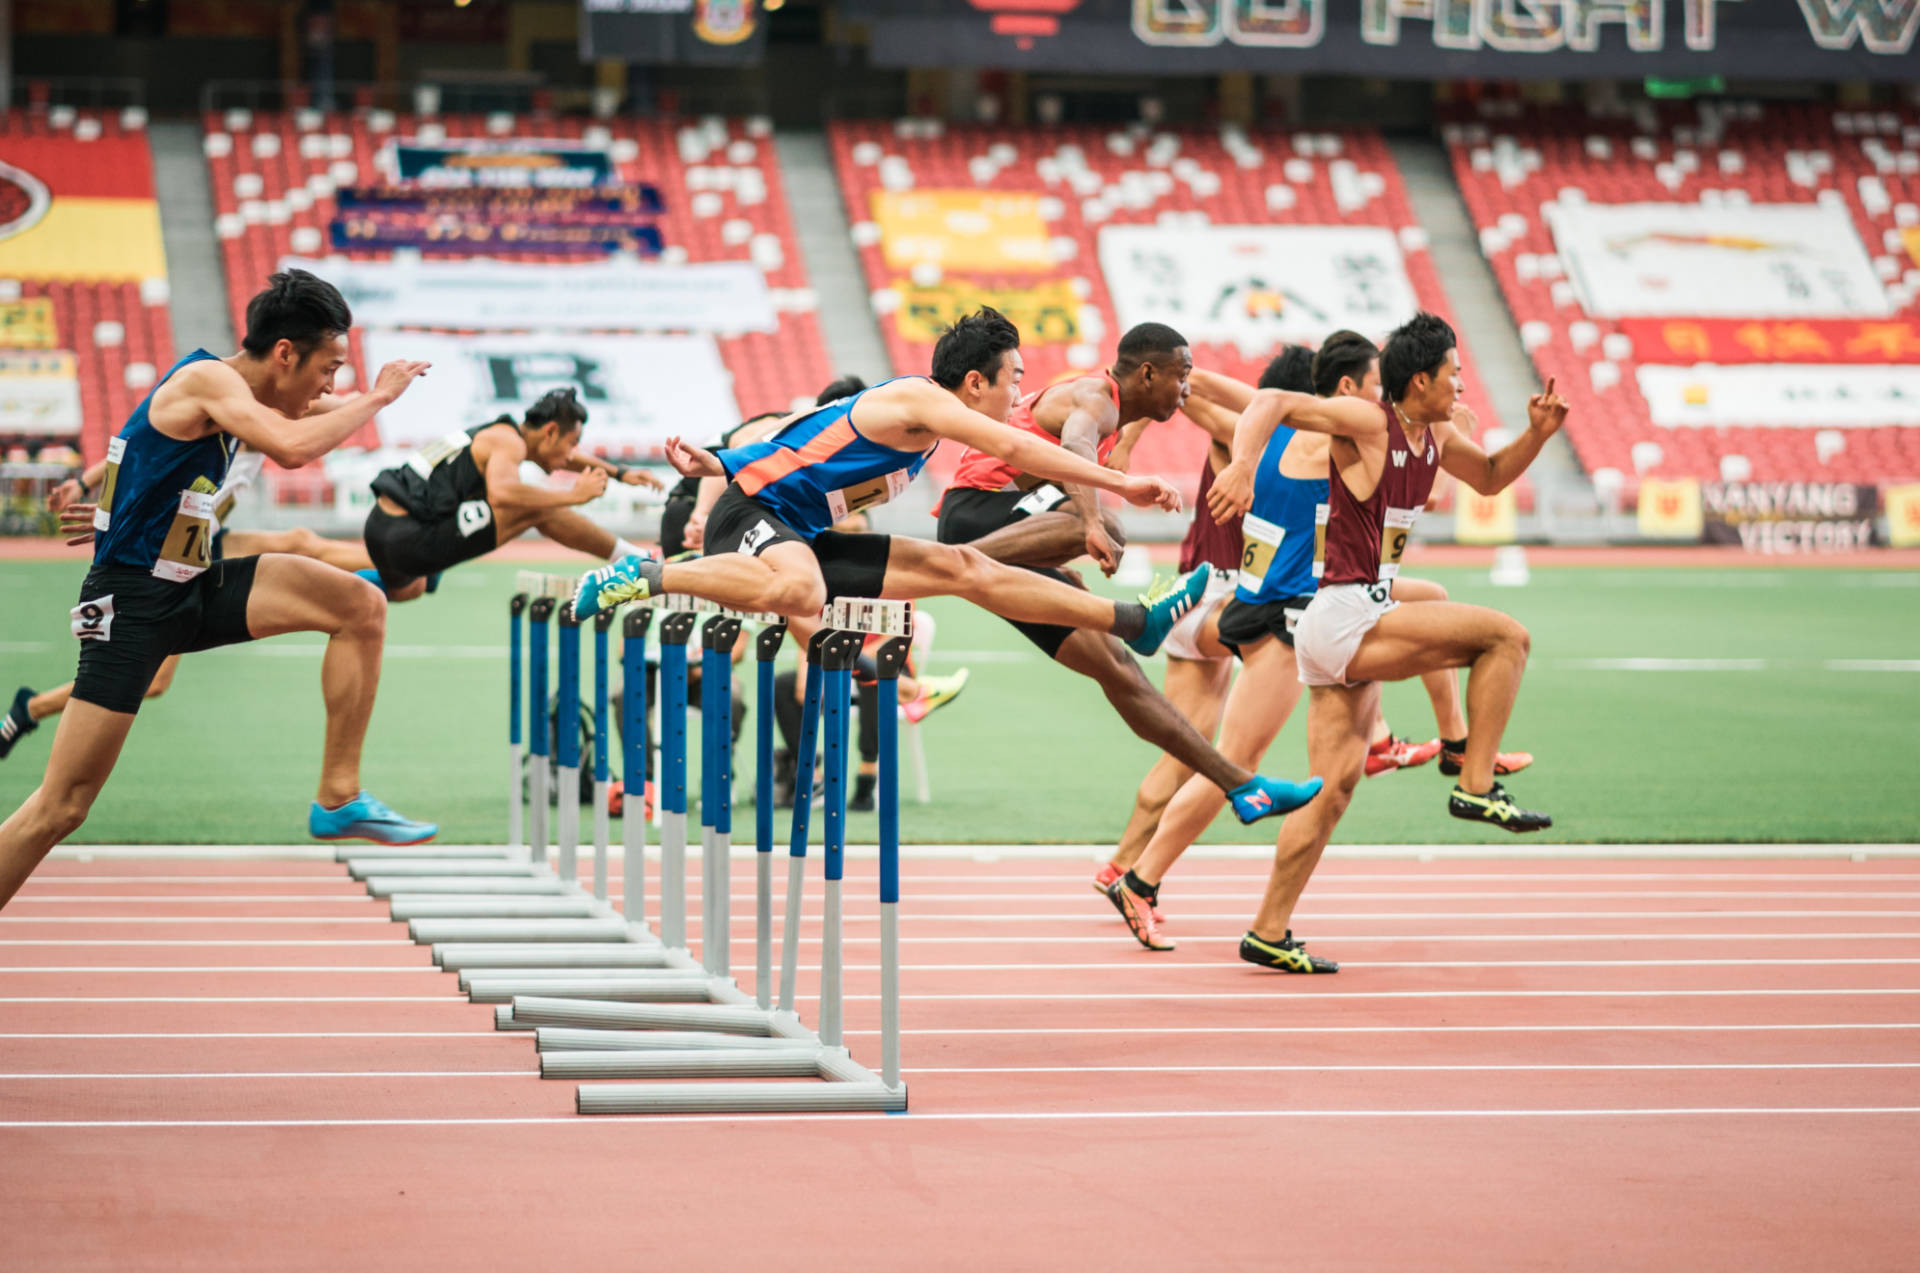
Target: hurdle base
x=741, y=1098
x=795, y=1060
x=422, y=852
x=366, y=865
x=466, y=885
x=460, y=956
x=663, y=987
x=559, y=1038
x=489, y=906
x=540, y=1009
x=432, y=932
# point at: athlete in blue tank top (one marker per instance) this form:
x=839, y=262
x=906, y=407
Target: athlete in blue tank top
x=1279, y=558
x=155, y=589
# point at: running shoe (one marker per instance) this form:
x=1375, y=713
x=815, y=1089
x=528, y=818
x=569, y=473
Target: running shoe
x=364, y=818
x=613, y=584
x=1496, y=808
x=1165, y=609
x=1259, y=797
x=17, y=723
x=1392, y=753
x=1504, y=763
x=935, y=692
x=1104, y=878
x=1287, y=955
x=1137, y=909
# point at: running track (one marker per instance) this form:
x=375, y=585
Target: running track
x=228, y=1063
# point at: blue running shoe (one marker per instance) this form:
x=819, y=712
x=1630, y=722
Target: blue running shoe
x=1259, y=797
x=1167, y=608
x=372, y=576
x=364, y=818
x=615, y=583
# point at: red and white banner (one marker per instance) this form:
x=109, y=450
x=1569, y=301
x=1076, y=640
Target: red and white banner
x=1809, y=340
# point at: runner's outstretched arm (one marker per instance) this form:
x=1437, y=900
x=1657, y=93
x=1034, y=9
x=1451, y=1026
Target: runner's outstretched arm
x=506, y=491
x=1220, y=391
x=1461, y=456
x=1093, y=417
x=219, y=393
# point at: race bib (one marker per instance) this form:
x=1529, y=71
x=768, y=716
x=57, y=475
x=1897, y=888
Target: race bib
x=849, y=500
x=188, y=548
x=103, y=507
x=1320, y=513
x=1396, y=528
x=1041, y=499
x=93, y=620
x=1260, y=540
x=473, y=516
x=434, y=454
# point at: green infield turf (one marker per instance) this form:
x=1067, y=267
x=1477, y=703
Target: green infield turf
x=1662, y=704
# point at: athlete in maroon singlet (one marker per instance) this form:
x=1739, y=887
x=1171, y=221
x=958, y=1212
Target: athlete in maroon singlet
x=1354, y=635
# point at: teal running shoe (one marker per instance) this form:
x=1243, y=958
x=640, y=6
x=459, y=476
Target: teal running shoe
x=1167, y=608
x=364, y=818
x=613, y=584
x=1258, y=797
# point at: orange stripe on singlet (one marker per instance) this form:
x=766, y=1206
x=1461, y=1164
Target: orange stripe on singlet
x=768, y=469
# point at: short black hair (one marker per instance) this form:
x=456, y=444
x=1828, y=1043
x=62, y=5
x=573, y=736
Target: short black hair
x=844, y=387
x=295, y=306
x=1422, y=344
x=1341, y=355
x=558, y=406
x=1146, y=342
x=1290, y=369
x=977, y=342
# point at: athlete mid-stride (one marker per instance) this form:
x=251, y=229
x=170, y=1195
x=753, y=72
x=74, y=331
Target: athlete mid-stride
x=155, y=590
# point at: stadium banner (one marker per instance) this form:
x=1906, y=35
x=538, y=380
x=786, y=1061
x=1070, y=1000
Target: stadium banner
x=39, y=394
x=1254, y=287
x=1790, y=517
x=1764, y=260
x=1903, y=515
x=498, y=162
x=466, y=236
x=79, y=211
x=1911, y=237
x=1781, y=397
x=1810, y=340
x=1485, y=519
x=657, y=32
x=638, y=390
x=28, y=324
x=971, y=231
x=1670, y=508
x=1045, y=313
x=721, y=297
x=542, y=203
x=1436, y=39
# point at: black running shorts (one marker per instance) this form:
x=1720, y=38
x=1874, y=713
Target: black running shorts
x=405, y=548
x=851, y=565
x=967, y=515
x=1244, y=622
x=128, y=622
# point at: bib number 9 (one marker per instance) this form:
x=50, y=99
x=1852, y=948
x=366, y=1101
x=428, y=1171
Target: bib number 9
x=1396, y=529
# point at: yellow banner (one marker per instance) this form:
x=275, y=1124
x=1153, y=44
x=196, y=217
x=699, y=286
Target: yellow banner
x=967, y=230
x=1670, y=509
x=1044, y=313
x=1912, y=237
x=1484, y=519
x=92, y=239
x=27, y=324
x=1903, y=515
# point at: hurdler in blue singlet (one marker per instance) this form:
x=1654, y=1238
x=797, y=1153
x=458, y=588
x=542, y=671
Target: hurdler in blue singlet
x=149, y=515
x=1280, y=552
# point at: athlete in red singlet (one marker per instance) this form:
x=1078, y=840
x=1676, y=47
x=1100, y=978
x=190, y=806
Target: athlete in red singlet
x=1354, y=635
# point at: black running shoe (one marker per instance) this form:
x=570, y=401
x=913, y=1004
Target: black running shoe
x=1286, y=955
x=17, y=723
x=1496, y=809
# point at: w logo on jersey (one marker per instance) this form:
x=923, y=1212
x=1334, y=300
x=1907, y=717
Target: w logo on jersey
x=1399, y=459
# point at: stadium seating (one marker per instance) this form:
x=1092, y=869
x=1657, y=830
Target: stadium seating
x=1088, y=177
x=117, y=325
x=1510, y=162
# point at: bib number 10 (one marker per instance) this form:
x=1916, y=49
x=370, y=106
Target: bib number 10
x=188, y=548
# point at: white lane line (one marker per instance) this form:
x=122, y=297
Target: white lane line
x=1051, y=997
x=1091, y=914
x=196, y=919
x=1751, y=851
x=1132, y=963
x=386, y=942
x=1873, y=665
x=286, y=1074
x=1001, y=896
x=1081, y=878
x=358, y=899
x=997, y=1116
x=744, y=939
x=446, y=998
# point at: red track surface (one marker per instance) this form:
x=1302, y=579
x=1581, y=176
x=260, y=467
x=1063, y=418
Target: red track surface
x=1600, y=1064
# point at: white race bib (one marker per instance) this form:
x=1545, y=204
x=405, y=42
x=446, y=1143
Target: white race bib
x=1041, y=499
x=93, y=620
x=103, y=507
x=188, y=548
x=849, y=500
x=1395, y=529
x=1260, y=541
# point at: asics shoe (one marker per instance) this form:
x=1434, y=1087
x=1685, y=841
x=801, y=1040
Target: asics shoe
x=1504, y=763
x=1137, y=909
x=1165, y=609
x=17, y=723
x=364, y=818
x=935, y=692
x=1260, y=797
x=1286, y=955
x=1496, y=808
x=1392, y=753
x=1104, y=879
x=613, y=584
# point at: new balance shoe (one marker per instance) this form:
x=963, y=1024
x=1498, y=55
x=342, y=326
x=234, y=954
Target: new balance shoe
x=613, y=584
x=1392, y=753
x=1496, y=809
x=1134, y=900
x=1165, y=609
x=17, y=723
x=1259, y=797
x=935, y=692
x=1504, y=763
x=364, y=818
x=1287, y=955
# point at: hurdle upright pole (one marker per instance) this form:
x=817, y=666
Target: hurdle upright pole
x=602, y=743
x=766, y=649
x=566, y=727
x=675, y=631
x=516, y=655
x=891, y=658
x=633, y=763
x=717, y=637
x=836, y=707
x=803, y=768
x=538, y=613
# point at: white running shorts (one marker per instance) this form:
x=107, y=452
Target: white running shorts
x=1333, y=626
x=1184, y=641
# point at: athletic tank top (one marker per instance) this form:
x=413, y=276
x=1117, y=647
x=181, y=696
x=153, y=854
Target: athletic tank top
x=1283, y=535
x=1366, y=538
x=980, y=471
x=441, y=480
x=819, y=468
x=1215, y=543
x=156, y=502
